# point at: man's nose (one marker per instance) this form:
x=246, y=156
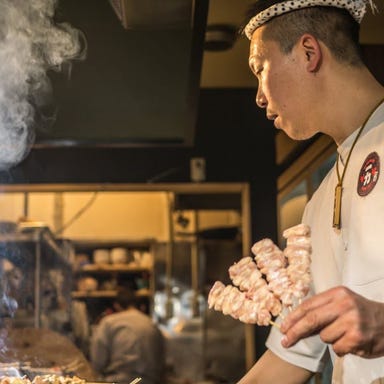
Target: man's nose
x=261, y=101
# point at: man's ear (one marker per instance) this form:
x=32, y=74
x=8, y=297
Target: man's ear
x=312, y=50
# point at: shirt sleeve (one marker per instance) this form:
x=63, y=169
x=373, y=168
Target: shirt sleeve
x=99, y=348
x=308, y=353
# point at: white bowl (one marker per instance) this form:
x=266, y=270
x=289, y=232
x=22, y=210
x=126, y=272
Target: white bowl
x=101, y=256
x=87, y=284
x=119, y=255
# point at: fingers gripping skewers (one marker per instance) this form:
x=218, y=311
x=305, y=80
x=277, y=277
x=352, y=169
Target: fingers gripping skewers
x=266, y=284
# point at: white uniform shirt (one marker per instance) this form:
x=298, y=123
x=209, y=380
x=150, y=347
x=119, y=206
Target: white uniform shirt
x=127, y=345
x=352, y=256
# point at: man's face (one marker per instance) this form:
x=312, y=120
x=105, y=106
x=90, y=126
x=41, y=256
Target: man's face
x=282, y=85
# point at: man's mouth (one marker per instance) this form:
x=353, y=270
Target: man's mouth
x=271, y=116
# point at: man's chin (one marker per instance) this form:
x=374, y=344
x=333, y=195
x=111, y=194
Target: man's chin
x=291, y=135
x=296, y=135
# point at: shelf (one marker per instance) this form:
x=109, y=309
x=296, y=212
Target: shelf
x=136, y=273
x=104, y=294
x=81, y=244
x=107, y=268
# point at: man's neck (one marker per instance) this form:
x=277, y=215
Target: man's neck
x=347, y=111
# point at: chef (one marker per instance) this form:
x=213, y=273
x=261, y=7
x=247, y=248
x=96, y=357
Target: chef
x=312, y=79
x=127, y=344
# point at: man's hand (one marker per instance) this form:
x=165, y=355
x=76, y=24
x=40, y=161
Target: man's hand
x=348, y=321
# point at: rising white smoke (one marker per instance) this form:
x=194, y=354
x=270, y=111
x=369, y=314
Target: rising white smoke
x=30, y=45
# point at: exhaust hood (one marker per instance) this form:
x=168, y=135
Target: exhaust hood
x=139, y=84
x=154, y=14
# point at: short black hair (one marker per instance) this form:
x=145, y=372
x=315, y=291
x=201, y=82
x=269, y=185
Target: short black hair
x=126, y=297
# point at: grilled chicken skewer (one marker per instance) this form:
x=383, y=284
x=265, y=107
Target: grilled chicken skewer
x=266, y=284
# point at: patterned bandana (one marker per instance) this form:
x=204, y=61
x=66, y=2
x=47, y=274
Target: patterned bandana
x=356, y=8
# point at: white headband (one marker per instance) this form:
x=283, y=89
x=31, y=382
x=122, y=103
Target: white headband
x=356, y=8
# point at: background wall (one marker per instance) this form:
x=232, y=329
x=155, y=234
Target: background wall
x=108, y=215
x=231, y=134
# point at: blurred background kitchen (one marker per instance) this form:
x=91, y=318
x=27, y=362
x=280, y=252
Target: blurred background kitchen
x=146, y=164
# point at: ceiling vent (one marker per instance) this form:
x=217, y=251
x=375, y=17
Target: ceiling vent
x=154, y=14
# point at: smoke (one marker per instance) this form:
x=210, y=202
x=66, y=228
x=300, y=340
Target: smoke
x=30, y=45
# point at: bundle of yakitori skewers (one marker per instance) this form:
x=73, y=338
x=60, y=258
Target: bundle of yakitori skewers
x=263, y=286
x=49, y=379
x=43, y=379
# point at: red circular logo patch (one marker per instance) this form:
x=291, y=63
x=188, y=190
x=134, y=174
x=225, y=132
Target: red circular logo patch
x=369, y=174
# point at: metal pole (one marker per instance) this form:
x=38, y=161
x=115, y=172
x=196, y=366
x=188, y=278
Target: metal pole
x=169, y=258
x=195, y=270
x=26, y=205
x=37, y=308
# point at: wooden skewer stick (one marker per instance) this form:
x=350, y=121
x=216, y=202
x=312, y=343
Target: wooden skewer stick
x=135, y=381
x=274, y=324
